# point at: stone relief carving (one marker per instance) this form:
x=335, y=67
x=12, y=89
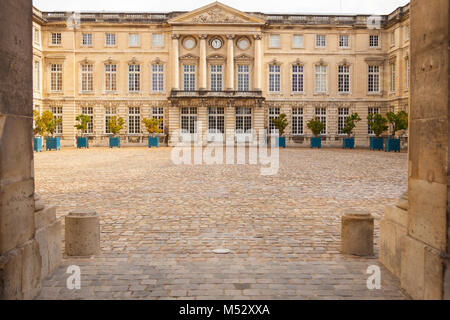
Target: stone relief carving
x=217, y=15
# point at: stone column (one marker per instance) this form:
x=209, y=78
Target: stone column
x=203, y=66
x=425, y=250
x=176, y=63
x=20, y=258
x=230, y=62
x=258, y=62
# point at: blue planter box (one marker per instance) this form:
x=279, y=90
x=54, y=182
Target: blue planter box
x=153, y=142
x=281, y=142
x=348, y=143
x=392, y=144
x=82, y=142
x=376, y=143
x=52, y=143
x=316, y=142
x=114, y=142
x=37, y=144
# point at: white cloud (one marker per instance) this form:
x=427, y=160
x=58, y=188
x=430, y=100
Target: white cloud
x=265, y=6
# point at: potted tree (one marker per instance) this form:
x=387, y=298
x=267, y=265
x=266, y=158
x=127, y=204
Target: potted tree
x=115, y=125
x=350, y=124
x=378, y=124
x=38, y=131
x=82, y=141
x=153, y=129
x=398, y=122
x=281, y=123
x=52, y=142
x=316, y=127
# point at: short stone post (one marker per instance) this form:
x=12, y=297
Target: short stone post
x=82, y=233
x=357, y=233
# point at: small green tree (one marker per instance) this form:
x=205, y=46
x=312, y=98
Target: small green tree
x=280, y=123
x=315, y=125
x=83, y=121
x=39, y=125
x=50, y=122
x=115, y=125
x=377, y=123
x=152, y=126
x=350, y=123
x=398, y=121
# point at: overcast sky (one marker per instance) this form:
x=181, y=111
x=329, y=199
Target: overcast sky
x=265, y=6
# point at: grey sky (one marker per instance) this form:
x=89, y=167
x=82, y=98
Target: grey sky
x=266, y=6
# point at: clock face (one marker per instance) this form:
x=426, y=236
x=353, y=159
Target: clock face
x=243, y=44
x=189, y=43
x=216, y=43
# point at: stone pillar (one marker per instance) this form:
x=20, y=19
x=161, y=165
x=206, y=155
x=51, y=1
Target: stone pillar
x=230, y=62
x=82, y=233
x=20, y=258
x=258, y=62
x=357, y=233
x=230, y=125
x=425, y=249
x=203, y=66
x=176, y=63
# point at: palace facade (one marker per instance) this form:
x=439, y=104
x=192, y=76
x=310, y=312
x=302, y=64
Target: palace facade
x=217, y=73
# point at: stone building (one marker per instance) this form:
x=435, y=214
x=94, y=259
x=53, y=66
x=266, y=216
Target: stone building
x=231, y=71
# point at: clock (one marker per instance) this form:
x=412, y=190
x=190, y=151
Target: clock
x=243, y=44
x=216, y=43
x=189, y=43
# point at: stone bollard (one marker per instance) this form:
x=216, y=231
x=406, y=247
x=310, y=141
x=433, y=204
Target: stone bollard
x=82, y=233
x=357, y=233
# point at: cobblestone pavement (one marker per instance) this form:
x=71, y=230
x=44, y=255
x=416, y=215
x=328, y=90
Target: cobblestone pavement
x=160, y=223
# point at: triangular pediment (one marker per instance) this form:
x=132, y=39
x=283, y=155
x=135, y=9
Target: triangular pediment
x=216, y=13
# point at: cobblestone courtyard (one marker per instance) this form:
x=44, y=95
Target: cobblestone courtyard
x=160, y=223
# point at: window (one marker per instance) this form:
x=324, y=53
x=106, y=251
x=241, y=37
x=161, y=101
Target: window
x=372, y=111
x=373, y=41
x=110, y=39
x=321, y=79
x=274, y=41
x=87, y=76
x=110, y=113
x=189, y=120
x=297, y=41
x=216, y=120
x=374, y=79
x=86, y=39
x=407, y=72
x=37, y=38
x=56, y=77
x=393, y=38
x=343, y=114
x=344, y=79
x=297, y=121
x=243, y=78
x=134, y=120
x=158, y=40
x=134, y=78
x=243, y=119
x=133, y=40
x=343, y=41
x=297, y=78
x=89, y=111
x=321, y=41
x=110, y=77
x=273, y=113
x=321, y=114
x=189, y=77
x=158, y=113
x=37, y=75
x=157, y=78
x=274, y=78
x=216, y=78
x=56, y=38
x=392, y=77
x=58, y=114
